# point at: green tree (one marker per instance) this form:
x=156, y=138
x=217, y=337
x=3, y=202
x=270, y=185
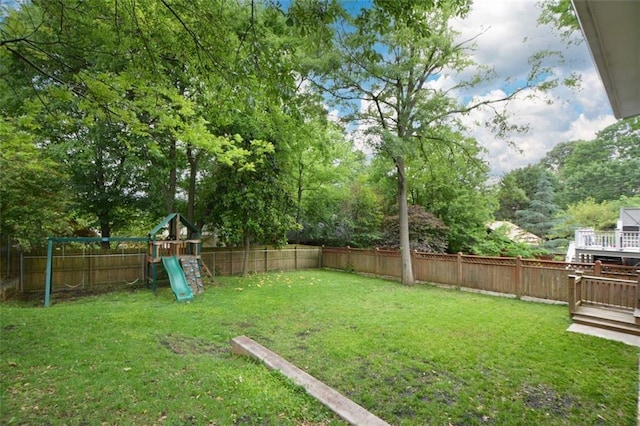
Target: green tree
x=343, y=215
x=591, y=214
x=451, y=183
x=387, y=56
x=605, y=168
x=538, y=217
x=122, y=92
x=249, y=203
x=33, y=190
x=518, y=187
x=511, y=197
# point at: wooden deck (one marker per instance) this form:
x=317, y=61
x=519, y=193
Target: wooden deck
x=605, y=303
x=620, y=320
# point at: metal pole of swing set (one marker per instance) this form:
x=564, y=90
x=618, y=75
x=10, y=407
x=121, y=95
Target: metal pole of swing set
x=47, y=289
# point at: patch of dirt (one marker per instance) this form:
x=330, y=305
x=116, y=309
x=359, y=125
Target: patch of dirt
x=306, y=333
x=183, y=345
x=72, y=294
x=405, y=390
x=244, y=324
x=543, y=397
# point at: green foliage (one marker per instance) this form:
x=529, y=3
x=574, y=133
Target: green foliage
x=511, y=196
x=518, y=187
x=349, y=215
x=34, y=199
x=143, y=108
x=605, y=168
x=247, y=201
x=538, y=217
x=134, y=98
x=560, y=14
x=388, y=54
x=450, y=182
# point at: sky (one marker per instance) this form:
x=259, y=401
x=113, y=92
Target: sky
x=509, y=34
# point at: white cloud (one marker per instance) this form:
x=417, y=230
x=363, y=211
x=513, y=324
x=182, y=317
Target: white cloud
x=510, y=34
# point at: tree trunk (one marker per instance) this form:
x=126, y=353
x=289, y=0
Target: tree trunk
x=299, y=204
x=105, y=230
x=245, y=260
x=403, y=214
x=194, y=159
x=169, y=190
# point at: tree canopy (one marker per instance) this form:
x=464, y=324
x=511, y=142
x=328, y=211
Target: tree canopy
x=305, y=122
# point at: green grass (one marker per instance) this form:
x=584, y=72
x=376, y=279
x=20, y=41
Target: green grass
x=411, y=355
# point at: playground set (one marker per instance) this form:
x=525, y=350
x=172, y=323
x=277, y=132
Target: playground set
x=174, y=242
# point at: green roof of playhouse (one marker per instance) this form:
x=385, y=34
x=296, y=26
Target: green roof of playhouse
x=193, y=231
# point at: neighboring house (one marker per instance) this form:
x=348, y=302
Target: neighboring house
x=515, y=233
x=621, y=246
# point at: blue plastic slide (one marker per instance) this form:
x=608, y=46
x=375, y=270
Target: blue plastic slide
x=177, y=279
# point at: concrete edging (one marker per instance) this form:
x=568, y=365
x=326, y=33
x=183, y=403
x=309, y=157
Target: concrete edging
x=335, y=401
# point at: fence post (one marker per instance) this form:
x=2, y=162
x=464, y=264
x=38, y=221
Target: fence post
x=266, y=259
x=597, y=268
x=295, y=255
x=636, y=311
x=49, y=273
x=518, y=282
x=377, y=270
x=349, y=267
x=21, y=271
x=571, y=293
x=320, y=252
x=90, y=266
x=459, y=269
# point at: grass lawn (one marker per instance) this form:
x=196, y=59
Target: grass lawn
x=411, y=355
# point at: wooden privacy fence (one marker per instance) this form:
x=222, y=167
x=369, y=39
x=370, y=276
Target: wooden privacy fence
x=82, y=269
x=73, y=269
x=91, y=268
x=519, y=277
x=229, y=261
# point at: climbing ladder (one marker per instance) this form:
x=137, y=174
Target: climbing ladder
x=191, y=268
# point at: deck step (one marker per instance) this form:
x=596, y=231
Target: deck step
x=606, y=323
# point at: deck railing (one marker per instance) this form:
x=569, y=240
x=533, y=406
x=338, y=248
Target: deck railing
x=609, y=240
x=600, y=291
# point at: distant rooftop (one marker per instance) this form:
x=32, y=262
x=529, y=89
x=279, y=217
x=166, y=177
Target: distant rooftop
x=515, y=233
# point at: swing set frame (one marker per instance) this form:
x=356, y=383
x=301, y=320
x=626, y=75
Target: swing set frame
x=51, y=241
